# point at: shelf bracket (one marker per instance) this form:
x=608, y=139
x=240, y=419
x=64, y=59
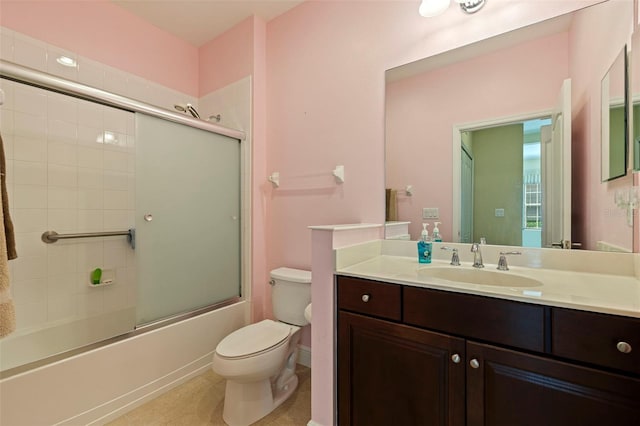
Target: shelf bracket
x=338, y=173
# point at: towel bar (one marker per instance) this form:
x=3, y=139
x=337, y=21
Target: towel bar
x=51, y=237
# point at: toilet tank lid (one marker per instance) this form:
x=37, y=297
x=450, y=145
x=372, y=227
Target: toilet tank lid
x=290, y=274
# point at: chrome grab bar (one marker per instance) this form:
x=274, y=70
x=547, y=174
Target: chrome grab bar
x=51, y=237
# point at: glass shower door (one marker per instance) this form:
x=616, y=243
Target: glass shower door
x=188, y=223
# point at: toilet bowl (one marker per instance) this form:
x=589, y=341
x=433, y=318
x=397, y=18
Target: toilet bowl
x=259, y=360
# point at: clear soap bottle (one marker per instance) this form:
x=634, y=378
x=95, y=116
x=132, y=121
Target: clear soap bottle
x=436, y=232
x=424, y=245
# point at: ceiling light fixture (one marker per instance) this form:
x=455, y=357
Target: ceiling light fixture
x=431, y=8
x=471, y=6
x=66, y=61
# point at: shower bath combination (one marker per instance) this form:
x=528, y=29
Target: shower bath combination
x=188, y=108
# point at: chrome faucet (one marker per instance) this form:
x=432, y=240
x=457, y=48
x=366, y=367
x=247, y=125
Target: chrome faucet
x=502, y=261
x=455, y=259
x=477, y=256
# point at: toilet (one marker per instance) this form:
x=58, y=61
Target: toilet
x=259, y=360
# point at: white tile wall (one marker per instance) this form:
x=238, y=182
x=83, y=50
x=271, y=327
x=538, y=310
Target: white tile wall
x=65, y=175
x=57, y=182
x=231, y=103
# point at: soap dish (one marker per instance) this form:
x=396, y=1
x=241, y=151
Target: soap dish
x=103, y=276
x=101, y=283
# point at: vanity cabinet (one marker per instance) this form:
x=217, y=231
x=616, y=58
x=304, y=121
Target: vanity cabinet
x=414, y=356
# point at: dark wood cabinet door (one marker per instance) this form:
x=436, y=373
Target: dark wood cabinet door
x=392, y=374
x=513, y=388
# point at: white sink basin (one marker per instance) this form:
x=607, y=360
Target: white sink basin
x=478, y=276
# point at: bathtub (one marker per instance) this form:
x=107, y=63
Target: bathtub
x=100, y=385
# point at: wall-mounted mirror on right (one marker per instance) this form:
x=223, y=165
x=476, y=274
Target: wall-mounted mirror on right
x=634, y=96
x=614, y=92
x=501, y=139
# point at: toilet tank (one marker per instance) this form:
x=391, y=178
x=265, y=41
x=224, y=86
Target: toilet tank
x=290, y=294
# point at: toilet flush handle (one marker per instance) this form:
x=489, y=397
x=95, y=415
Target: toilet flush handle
x=272, y=282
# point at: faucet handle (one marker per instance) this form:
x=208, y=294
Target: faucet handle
x=502, y=261
x=455, y=259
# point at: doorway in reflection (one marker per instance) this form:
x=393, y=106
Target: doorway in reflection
x=502, y=194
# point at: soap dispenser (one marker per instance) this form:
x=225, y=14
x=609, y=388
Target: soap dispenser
x=436, y=233
x=424, y=245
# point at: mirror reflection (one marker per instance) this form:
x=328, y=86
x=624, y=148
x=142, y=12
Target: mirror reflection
x=481, y=138
x=634, y=88
x=614, y=119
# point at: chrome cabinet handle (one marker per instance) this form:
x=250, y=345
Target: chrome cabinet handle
x=365, y=298
x=624, y=347
x=474, y=363
x=455, y=358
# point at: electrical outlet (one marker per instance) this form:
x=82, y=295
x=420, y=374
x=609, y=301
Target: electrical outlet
x=430, y=213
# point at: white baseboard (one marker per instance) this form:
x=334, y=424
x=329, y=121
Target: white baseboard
x=304, y=355
x=312, y=423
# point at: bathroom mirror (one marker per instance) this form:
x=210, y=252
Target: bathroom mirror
x=614, y=86
x=511, y=83
x=634, y=88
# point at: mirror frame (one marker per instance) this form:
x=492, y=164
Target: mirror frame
x=608, y=103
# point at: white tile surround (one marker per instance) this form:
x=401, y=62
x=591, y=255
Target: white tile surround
x=64, y=176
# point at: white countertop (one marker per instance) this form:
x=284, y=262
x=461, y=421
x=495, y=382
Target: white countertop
x=596, y=292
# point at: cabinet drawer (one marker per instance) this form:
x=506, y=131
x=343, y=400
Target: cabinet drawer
x=594, y=338
x=505, y=322
x=369, y=297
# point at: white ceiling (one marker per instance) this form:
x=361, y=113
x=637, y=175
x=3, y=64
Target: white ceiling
x=198, y=21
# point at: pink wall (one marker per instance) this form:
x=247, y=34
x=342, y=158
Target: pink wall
x=227, y=58
x=422, y=110
x=104, y=32
x=594, y=48
x=326, y=100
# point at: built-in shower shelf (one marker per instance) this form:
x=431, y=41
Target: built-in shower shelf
x=102, y=283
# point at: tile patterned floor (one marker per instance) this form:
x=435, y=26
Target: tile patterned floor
x=199, y=402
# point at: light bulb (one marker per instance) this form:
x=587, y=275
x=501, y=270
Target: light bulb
x=471, y=6
x=66, y=61
x=430, y=8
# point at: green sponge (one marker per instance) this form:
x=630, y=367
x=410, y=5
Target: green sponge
x=96, y=275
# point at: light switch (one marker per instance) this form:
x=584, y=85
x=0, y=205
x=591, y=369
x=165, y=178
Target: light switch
x=499, y=212
x=430, y=213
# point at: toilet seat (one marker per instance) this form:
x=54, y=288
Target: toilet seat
x=253, y=339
